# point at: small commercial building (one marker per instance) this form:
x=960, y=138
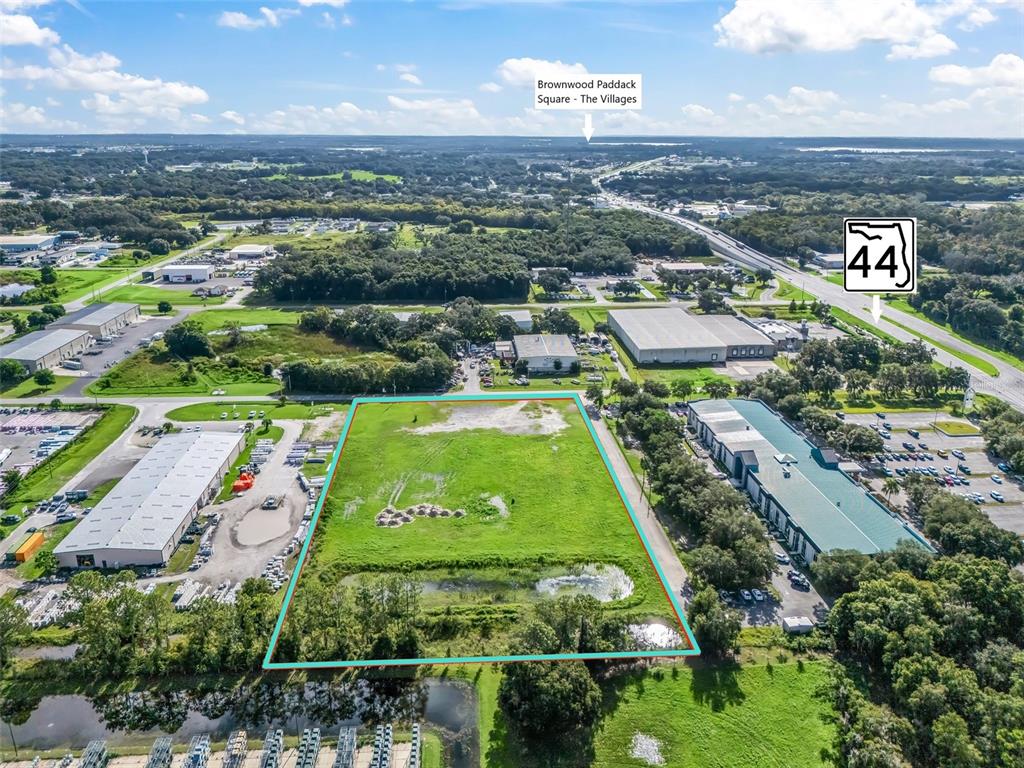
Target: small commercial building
x=187, y=273
x=521, y=317
x=671, y=335
x=546, y=353
x=688, y=267
x=799, y=489
x=21, y=243
x=829, y=261
x=251, y=251
x=46, y=349
x=142, y=519
x=101, y=319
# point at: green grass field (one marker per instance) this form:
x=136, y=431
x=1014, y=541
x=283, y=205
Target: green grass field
x=72, y=282
x=787, y=291
x=982, y=365
x=151, y=295
x=712, y=716
x=1006, y=357
x=273, y=409
x=853, y=322
x=556, y=506
x=29, y=388
x=718, y=717
x=956, y=428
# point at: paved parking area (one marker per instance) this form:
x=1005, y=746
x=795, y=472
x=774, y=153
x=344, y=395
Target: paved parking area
x=107, y=356
x=1008, y=514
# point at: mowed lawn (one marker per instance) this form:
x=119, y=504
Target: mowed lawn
x=562, y=506
x=719, y=717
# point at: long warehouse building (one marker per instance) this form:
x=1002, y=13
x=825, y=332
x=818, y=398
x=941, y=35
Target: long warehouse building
x=46, y=349
x=144, y=516
x=670, y=335
x=798, y=488
x=101, y=319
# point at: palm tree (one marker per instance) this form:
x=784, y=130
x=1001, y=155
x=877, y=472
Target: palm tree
x=891, y=487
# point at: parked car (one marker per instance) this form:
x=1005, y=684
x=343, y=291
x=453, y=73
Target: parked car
x=997, y=496
x=745, y=594
x=758, y=595
x=997, y=479
x=782, y=558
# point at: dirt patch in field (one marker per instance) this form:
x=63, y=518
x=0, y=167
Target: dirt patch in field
x=324, y=428
x=522, y=418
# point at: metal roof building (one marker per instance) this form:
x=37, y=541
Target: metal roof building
x=545, y=352
x=101, y=319
x=794, y=485
x=46, y=349
x=521, y=317
x=141, y=520
x=671, y=335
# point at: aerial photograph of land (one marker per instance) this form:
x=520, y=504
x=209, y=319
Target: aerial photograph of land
x=511, y=384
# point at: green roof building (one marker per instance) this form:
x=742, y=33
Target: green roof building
x=796, y=486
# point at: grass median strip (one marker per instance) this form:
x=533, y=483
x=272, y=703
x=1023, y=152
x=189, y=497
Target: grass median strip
x=982, y=365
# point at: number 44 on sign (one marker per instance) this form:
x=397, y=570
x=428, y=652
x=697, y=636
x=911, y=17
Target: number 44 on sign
x=879, y=256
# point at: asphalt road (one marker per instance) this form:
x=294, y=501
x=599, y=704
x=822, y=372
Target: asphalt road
x=1010, y=383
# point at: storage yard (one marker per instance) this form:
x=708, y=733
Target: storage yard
x=344, y=748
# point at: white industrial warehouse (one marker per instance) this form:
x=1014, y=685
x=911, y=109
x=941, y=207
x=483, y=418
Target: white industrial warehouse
x=546, y=353
x=101, y=319
x=46, y=349
x=145, y=515
x=671, y=335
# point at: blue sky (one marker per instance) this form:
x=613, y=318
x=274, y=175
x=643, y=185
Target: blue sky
x=738, y=67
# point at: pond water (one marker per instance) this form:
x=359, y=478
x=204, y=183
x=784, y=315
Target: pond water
x=12, y=290
x=138, y=718
x=602, y=582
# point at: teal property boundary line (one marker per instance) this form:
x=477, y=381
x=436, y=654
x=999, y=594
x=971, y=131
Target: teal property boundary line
x=693, y=650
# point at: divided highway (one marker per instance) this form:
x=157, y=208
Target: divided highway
x=1009, y=385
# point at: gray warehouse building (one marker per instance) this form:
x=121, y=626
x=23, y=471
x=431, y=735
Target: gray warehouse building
x=546, y=353
x=46, y=349
x=145, y=515
x=671, y=335
x=101, y=319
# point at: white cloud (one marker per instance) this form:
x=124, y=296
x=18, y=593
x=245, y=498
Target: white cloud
x=409, y=77
x=490, y=87
x=698, y=113
x=332, y=3
x=17, y=29
x=735, y=97
x=802, y=101
x=269, y=17
x=1005, y=69
x=16, y=113
x=346, y=20
x=112, y=92
x=525, y=72
x=935, y=44
x=18, y=5
x=195, y=117
x=326, y=21
x=773, y=26
x=233, y=117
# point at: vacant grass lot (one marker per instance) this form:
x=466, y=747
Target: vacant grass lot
x=29, y=388
x=561, y=507
x=72, y=283
x=272, y=409
x=237, y=368
x=151, y=295
x=718, y=717
x=714, y=716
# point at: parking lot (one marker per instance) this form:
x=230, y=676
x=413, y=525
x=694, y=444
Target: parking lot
x=99, y=357
x=926, y=458
x=24, y=432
